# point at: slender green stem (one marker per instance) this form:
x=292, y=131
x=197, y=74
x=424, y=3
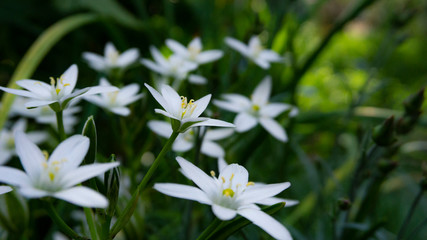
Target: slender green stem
x=61, y=224
x=210, y=229
x=130, y=207
x=60, y=122
x=91, y=223
x=410, y=213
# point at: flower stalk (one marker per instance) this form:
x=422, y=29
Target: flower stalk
x=210, y=229
x=60, y=122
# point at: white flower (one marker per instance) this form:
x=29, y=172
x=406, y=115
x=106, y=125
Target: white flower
x=116, y=101
x=58, y=94
x=7, y=139
x=174, y=66
x=257, y=110
x=185, y=141
x=183, y=113
x=254, y=51
x=45, y=114
x=229, y=194
x=57, y=175
x=5, y=189
x=111, y=59
x=193, y=52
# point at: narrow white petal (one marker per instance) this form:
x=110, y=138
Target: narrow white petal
x=122, y=111
x=127, y=92
x=237, y=45
x=221, y=164
x=30, y=155
x=100, y=89
x=161, y=128
x=213, y=123
x=128, y=57
x=273, y=110
x=236, y=172
x=31, y=192
x=182, y=145
x=5, y=189
x=212, y=149
x=5, y=156
x=83, y=196
x=197, y=79
x=177, y=47
x=218, y=134
x=262, y=92
x=159, y=98
x=165, y=113
x=253, y=194
x=155, y=67
x=270, y=55
x=223, y=213
x=209, y=56
x=227, y=106
x=41, y=89
x=95, y=61
x=70, y=152
x=158, y=57
x=200, y=178
x=20, y=125
x=38, y=103
x=70, y=77
x=266, y=222
x=244, y=122
x=200, y=105
x=182, y=191
x=130, y=99
x=274, y=129
x=274, y=200
x=14, y=177
x=20, y=92
x=85, y=172
x=261, y=63
x=172, y=99
x=37, y=136
x=196, y=43
x=109, y=49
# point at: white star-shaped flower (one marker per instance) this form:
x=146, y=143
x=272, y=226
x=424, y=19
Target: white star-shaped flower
x=193, y=52
x=57, y=175
x=185, y=141
x=229, y=194
x=111, y=59
x=254, y=51
x=58, y=94
x=116, y=101
x=184, y=113
x=257, y=109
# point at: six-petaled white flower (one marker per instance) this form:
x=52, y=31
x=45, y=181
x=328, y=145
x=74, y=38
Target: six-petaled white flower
x=57, y=175
x=184, y=113
x=185, y=141
x=229, y=194
x=254, y=51
x=58, y=94
x=193, y=52
x=111, y=59
x=116, y=101
x=257, y=110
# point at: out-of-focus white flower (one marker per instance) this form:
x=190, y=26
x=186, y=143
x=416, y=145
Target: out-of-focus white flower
x=254, y=51
x=257, y=110
x=173, y=67
x=5, y=189
x=57, y=175
x=193, y=52
x=229, y=194
x=183, y=113
x=58, y=94
x=7, y=139
x=185, y=141
x=116, y=101
x=111, y=59
x=45, y=114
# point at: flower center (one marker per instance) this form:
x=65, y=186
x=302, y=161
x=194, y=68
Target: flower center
x=58, y=85
x=49, y=178
x=113, y=56
x=194, y=51
x=113, y=96
x=255, y=107
x=187, y=108
x=228, y=192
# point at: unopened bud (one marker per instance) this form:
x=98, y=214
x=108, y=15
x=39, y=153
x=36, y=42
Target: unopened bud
x=406, y=123
x=344, y=204
x=383, y=134
x=112, y=185
x=414, y=102
x=386, y=166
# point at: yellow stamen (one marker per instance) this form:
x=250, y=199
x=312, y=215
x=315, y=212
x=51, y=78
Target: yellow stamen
x=212, y=173
x=45, y=154
x=250, y=184
x=57, y=91
x=52, y=81
x=232, y=176
x=51, y=176
x=223, y=179
x=67, y=84
x=228, y=192
x=45, y=166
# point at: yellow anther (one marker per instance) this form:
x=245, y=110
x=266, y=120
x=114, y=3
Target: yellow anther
x=232, y=176
x=64, y=160
x=250, y=184
x=223, y=179
x=61, y=79
x=45, y=166
x=52, y=81
x=57, y=91
x=213, y=173
x=55, y=163
x=228, y=192
x=51, y=176
x=67, y=84
x=56, y=169
x=45, y=154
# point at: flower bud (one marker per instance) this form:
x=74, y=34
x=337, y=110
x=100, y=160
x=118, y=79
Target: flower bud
x=14, y=212
x=344, y=204
x=413, y=103
x=112, y=185
x=386, y=166
x=383, y=134
x=406, y=123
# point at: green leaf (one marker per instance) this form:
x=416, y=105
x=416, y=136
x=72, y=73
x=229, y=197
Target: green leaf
x=89, y=130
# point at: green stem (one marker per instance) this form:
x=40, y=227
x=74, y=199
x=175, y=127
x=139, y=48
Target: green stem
x=210, y=229
x=38, y=51
x=410, y=213
x=60, y=122
x=91, y=223
x=61, y=224
x=130, y=207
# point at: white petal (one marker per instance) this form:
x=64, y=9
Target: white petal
x=177, y=47
x=31, y=192
x=109, y=49
x=212, y=149
x=71, y=152
x=227, y=106
x=274, y=200
x=14, y=177
x=200, y=178
x=196, y=43
x=221, y=164
x=85, y=172
x=33, y=104
x=129, y=99
x=122, y=111
x=223, y=213
x=20, y=92
x=83, y=196
x=5, y=189
x=218, y=134
x=95, y=61
x=273, y=110
x=213, y=123
x=5, y=156
x=20, y=125
x=37, y=136
x=30, y=155
x=261, y=62
x=237, y=173
x=161, y=128
x=128, y=57
x=159, y=98
x=165, y=113
x=200, y=105
x=158, y=57
x=70, y=77
x=127, y=92
x=262, y=92
x=172, y=99
x=244, y=122
x=270, y=55
x=253, y=194
x=182, y=191
x=41, y=89
x=197, y=79
x=274, y=129
x=155, y=67
x=266, y=222
x=209, y=56
x=237, y=45
x=182, y=145
x=99, y=89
